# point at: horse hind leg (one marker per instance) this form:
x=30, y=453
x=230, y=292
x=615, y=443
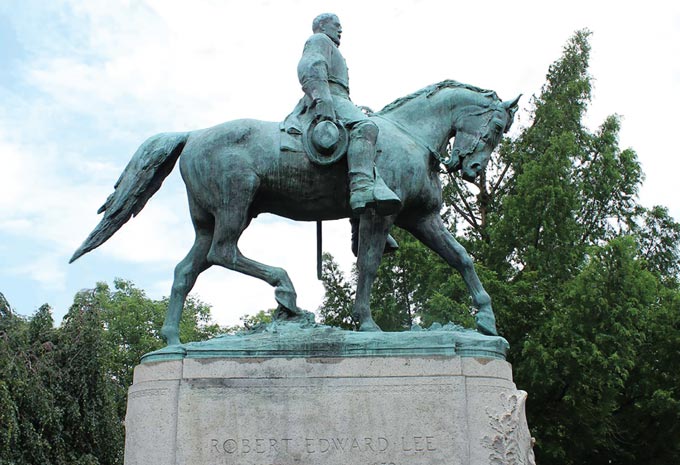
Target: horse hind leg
x=186, y=273
x=224, y=252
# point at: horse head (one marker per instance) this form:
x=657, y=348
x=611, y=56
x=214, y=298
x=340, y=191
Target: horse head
x=477, y=133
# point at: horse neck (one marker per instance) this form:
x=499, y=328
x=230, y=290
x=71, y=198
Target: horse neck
x=432, y=119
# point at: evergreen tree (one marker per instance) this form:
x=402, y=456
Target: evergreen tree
x=658, y=236
x=648, y=414
x=578, y=363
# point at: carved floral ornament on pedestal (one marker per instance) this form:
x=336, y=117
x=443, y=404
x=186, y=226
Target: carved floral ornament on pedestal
x=512, y=444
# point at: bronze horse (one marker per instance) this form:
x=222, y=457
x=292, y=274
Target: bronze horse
x=235, y=171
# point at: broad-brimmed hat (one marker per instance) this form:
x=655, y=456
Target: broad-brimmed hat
x=325, y=141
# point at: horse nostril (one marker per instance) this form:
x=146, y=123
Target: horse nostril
x=476, y=167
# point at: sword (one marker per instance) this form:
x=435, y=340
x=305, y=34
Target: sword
x=318, y=250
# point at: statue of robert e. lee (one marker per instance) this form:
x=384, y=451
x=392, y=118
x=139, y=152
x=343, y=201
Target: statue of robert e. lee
x=323, y=74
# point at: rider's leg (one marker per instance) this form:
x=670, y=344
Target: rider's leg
x=360, y=160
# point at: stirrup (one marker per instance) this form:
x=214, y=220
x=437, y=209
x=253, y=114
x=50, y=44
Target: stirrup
x=386, y=201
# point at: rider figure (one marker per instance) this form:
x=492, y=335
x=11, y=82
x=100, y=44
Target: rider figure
x=322, y=71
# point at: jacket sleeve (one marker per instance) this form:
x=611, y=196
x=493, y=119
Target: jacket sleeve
x=313, y=69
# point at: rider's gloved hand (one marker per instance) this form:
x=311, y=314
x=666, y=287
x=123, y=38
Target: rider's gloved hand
x=324, y=109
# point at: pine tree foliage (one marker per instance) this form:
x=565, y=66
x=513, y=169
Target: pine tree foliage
x=658, y=236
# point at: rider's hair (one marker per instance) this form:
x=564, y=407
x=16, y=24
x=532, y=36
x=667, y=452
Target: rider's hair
x=320, y=20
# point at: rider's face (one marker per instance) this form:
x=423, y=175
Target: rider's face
x=332, y=29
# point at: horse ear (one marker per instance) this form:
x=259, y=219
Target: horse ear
x=511, y=109
x=508, y=105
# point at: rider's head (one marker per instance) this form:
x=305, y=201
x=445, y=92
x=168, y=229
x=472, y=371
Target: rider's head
x=329, y=24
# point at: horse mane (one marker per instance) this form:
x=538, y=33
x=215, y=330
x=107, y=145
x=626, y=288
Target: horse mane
x=432, y=89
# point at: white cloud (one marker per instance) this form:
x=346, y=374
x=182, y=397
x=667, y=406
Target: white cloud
x=47, y=270
x=39, y=202
x=14, y=176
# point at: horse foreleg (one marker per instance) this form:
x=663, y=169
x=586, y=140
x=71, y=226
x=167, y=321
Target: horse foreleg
x=432, y=232
x=186, y=273
x=372, y=235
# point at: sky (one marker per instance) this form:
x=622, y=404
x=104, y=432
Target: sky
x=84, y=83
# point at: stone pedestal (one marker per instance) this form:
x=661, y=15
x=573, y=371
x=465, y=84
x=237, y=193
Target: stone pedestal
x=364, y=410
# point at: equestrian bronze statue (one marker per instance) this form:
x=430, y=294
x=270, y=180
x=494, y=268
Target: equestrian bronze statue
x=328, y=160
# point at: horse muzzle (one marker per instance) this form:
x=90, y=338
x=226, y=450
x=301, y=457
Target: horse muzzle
x=471, y=172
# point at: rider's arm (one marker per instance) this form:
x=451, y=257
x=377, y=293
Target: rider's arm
x=313, y=74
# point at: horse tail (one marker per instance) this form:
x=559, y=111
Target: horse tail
x=142, y=177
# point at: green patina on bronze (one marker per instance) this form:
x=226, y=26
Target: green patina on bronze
x=306, y=339
x=388, y=176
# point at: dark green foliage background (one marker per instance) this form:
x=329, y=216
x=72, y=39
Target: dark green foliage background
x=63, y=391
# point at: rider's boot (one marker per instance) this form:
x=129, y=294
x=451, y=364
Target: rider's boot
x=391, y=244
x=364, y=191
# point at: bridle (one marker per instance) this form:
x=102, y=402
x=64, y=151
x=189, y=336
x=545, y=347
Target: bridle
x=453, y=157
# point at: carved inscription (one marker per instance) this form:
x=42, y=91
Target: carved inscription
x=246, y=446
x=297, y=447
x=148, y=393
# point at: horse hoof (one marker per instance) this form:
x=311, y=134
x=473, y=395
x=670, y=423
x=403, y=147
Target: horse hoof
x=286, y=300
x=284, y=313
x=486, y=323
x=171, y=335
x=369, y=326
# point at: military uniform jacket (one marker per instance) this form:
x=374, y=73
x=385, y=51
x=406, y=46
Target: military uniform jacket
x=322, y=71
